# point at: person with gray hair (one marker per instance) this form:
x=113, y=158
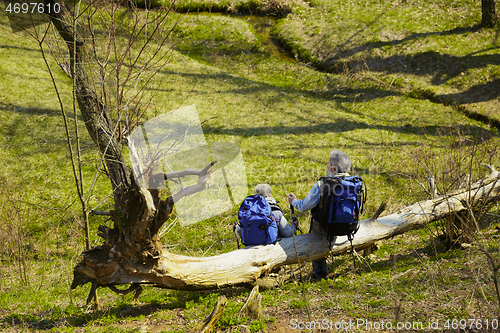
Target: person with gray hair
x=284, y=229
x=339, y=164
x=340, y=161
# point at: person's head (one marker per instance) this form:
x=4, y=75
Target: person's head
x=263, y=189
x=338, y=162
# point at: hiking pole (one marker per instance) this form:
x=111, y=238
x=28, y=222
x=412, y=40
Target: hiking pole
x=292, y=209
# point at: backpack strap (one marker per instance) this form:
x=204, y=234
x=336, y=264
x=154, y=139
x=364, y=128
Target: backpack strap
x=320, y=183
x=234, y=233
x=275, y=207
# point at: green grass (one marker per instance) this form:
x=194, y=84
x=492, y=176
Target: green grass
x=286, y=117
x=404, y=46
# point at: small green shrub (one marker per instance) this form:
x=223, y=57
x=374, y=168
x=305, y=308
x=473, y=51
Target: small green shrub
x=298, y=304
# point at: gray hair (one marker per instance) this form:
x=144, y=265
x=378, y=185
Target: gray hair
x=340, y=161
x=263, y=189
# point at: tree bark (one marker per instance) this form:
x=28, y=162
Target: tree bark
x=253, y=305
x=97, y=120
x=139, y=213
x=489, y=16
x=208, y=325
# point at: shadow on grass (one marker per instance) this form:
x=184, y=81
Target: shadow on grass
x=348, y=52
x=477, y=93
x=74, y=316
x=36, y=111
x=367, y=93
x=342, y=125
x=340, y=96
x=443, y=67
x=21, y=48
x=43, y=142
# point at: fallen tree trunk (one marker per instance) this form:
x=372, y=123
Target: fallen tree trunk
x=247, y=264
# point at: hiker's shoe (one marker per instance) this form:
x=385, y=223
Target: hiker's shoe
x=315, y=277
x=332, y=276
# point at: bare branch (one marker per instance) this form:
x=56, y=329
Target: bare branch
x=189, y=172
x=203, y=175
x=491, y=168
x=100, y=213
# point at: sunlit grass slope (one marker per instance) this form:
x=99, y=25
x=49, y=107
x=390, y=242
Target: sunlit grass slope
x=286, y=117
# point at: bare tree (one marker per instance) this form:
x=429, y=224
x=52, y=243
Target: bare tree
x=122, y=55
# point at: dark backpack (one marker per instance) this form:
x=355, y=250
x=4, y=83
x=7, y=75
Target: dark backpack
x=341, y=202
x=257, y=222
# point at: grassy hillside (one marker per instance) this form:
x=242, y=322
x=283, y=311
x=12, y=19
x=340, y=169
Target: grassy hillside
x=395, y=83
x=437, y=48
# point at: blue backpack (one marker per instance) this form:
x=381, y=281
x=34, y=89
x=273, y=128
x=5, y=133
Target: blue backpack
x=257, y=222
x=341, y=202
